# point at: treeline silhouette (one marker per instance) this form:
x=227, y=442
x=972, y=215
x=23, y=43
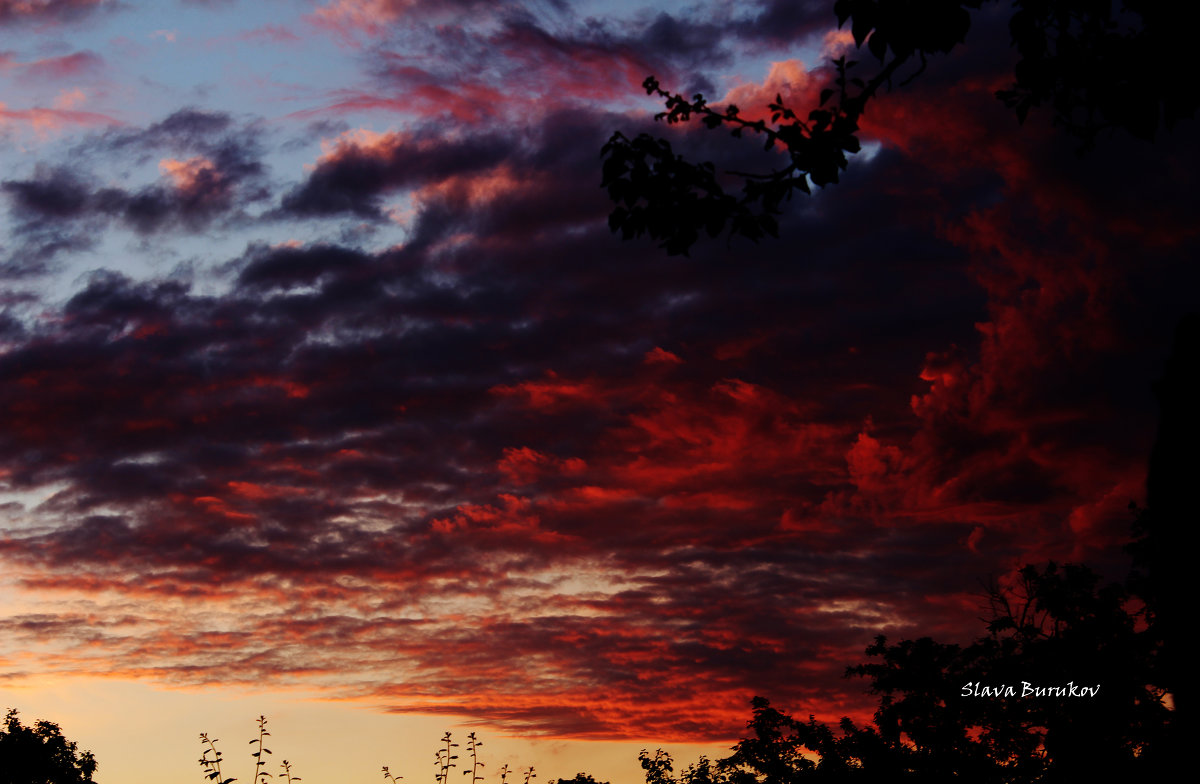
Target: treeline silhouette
x=1071, y=682
x=1062, y=687
x=1067, y=683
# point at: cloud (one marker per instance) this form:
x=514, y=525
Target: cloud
x=191, y=193
x=54, y=193
x=77, y=64
x=781, y=24
x=360, y=166
x=187, y=129
x=375, y=17
x=198, y=192
x=42, y=120
x=51, y=11
x=273, y=33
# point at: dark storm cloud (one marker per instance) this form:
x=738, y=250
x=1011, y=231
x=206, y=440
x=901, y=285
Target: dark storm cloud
x=782, y=23
x=11, y=328
x=203, y=192
x=52, y=193
x=525, y=62
x=223, y=174
x=186, y=130
x=354, y=176
x=663, y=41
x=53, y=210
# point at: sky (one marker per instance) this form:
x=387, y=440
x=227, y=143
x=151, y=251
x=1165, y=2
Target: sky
x=326, y=392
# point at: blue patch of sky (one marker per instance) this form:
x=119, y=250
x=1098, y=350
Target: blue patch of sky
x=162, y=57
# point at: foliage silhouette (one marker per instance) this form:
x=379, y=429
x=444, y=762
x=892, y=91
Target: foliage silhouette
x=40, y=754
x=1100, y=65
x=975, y=713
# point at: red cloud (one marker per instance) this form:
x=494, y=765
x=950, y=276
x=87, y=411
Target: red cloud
x=554, y=393
x=527, y=466
x=659, y=355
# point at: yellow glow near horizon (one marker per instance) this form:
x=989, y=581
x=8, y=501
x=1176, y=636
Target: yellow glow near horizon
x=142, y=734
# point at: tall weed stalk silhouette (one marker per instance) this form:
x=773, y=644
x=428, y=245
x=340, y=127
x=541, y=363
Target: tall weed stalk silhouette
x=260, y=775
x=473, y=745
x=445, y=759
x=210, y=760
x=212, y=765
x=286, y=767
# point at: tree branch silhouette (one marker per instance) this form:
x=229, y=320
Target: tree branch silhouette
x=1101, y=66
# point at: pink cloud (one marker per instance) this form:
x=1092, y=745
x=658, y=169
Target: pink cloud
x=271, y=32
x=42, y=120
x=50, y=11
x=375, y=17
x=71, y=66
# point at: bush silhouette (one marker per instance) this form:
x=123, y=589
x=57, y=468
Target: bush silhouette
x=41, y=755
x=580, y=778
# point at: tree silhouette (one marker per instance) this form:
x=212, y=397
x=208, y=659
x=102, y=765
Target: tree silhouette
x=1058, y=630
x=1162, y=557
x=1100, y=65
x=41, y=755
x=1059, y=689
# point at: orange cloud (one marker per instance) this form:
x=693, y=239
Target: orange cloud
x=193, y=176
x=790, y=79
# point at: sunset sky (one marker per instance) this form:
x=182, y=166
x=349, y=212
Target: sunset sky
x=327, y=393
